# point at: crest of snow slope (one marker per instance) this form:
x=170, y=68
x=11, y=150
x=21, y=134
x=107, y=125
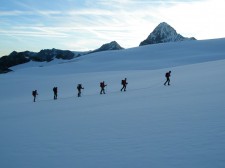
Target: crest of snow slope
x=141, y=58
x=148, y=126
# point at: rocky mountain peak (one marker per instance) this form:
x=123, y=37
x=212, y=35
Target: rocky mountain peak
x=109, y=46
x=164, y=33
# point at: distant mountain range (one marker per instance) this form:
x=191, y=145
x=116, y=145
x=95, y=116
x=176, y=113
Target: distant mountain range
x=16, y=58
x=163, y=33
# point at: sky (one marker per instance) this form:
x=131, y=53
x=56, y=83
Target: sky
x=83, y=25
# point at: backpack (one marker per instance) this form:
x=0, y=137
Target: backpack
x=34, y=92
x=79, y=86
x=55, y=89
x=167, y=74
x=101, y=84
x=124, y=82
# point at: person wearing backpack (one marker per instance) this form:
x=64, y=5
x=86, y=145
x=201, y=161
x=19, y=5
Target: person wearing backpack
x=55, y=91
x=79, y=87
x=167, y=75
x=124, y=84
x=102, y=86
x=34, y=94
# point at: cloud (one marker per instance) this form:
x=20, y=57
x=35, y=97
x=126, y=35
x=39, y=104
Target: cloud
x=30, y=33
x=14, y=13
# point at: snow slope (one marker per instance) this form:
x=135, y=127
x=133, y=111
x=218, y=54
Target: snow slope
x=151, y=125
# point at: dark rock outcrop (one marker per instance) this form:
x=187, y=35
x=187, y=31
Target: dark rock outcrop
x=50, y=54
x=13, y=59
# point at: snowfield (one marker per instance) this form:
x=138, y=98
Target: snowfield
x=150, y=125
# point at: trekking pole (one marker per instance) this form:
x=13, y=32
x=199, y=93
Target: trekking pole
x=82, y=93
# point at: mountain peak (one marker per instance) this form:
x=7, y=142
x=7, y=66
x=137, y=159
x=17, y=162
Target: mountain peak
x=114, y=46
x=109, y=46
x=163, y=24
x=164, y=27
x=164, y=33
